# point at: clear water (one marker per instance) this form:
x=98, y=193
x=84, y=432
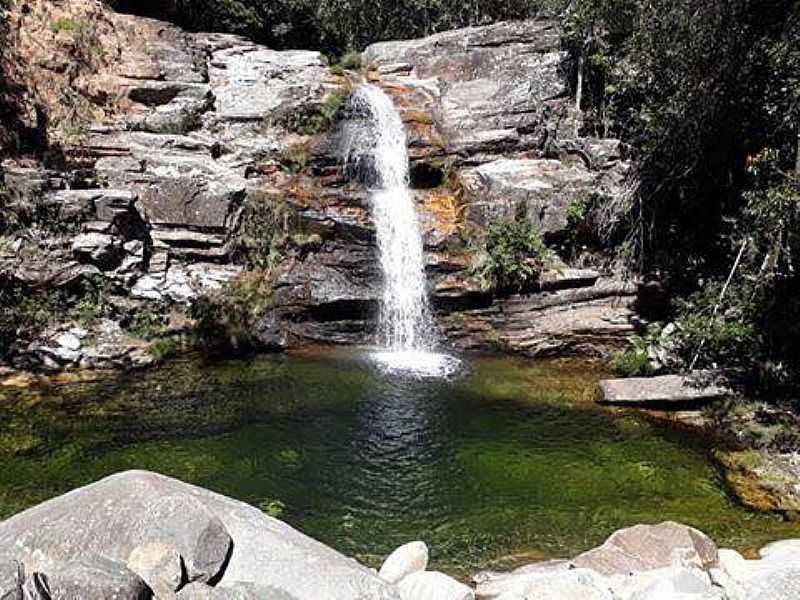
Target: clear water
x=506, y=462
x=375, y=149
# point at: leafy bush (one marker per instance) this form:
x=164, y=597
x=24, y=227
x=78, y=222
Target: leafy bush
x=631, y=363
x=65, y=24
x=313, y=120
x=150, y=323
x=162, y=349
x=514, y=256
x=225, y=319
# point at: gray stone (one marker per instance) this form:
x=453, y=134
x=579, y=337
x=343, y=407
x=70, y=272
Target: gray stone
x=199, y=537
x=12, y=577
x=575, y=584
x=697, y=388
x=432, y=585
x=545, y=188
x=115, y=515
x=405, y=560
x=647, y=547
x=780, y=585
x=159, y=565
x=95, y=577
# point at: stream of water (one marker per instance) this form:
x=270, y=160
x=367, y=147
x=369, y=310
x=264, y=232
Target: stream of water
x=376, y=152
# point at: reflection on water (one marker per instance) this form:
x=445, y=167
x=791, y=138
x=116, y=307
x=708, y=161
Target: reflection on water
x=506, y=458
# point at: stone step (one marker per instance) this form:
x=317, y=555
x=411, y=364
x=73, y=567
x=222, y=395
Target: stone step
x=698, y=387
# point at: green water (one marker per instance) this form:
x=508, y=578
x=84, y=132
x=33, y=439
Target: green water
x=510, y=461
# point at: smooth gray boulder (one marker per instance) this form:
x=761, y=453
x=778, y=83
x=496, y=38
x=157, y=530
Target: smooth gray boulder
x=698, y=388
x=648, y=547
x=407, y=559
x=432, y=585
x=115, y=515
x=12, y=576
x=96, y=577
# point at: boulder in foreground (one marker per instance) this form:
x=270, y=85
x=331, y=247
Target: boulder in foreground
x=221, y=541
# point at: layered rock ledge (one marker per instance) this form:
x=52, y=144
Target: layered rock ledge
x=138, y=535
x=197, y=148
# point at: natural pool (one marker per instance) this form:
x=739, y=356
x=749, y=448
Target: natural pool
x=508, y=462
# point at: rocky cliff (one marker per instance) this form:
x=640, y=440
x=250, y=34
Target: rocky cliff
x=196, y=165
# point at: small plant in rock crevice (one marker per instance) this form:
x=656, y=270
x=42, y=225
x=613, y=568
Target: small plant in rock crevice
x=514, y=256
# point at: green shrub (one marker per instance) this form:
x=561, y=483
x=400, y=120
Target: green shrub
x=150, y=323
x=163, y=348
x=65, y=24
x=296, y=158
x=316, y=119
x=351, y=60
x=631, y=363
x=514, y=257
x=225, y=319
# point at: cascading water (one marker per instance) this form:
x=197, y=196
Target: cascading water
x=375, y=151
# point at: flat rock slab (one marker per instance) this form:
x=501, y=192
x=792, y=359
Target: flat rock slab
x=698, y=387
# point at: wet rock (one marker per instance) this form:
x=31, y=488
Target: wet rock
x=269, y=333
x=697, y=388
x=647, y=547
x=95, y=577
x=12, y=577
x=404, y=561
x=432, y=585
x=159, y=565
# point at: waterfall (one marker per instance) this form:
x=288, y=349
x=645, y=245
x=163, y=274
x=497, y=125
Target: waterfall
x=376, y=153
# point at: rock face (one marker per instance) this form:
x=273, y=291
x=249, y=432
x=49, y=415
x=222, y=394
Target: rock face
x=62, y=539
x=201, y=147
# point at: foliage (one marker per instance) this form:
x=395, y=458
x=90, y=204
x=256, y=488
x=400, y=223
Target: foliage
x=162, y=349
x=64, y=24
x=149, y=323
x=317, y=119
x=336, y=26
x=261, y=236
x=349, y=61
x=24, y=312
x=514, y=256
x=632, y=362
x=226, y=319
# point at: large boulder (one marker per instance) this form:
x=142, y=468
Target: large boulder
x=647, y=547
x=114, y=516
